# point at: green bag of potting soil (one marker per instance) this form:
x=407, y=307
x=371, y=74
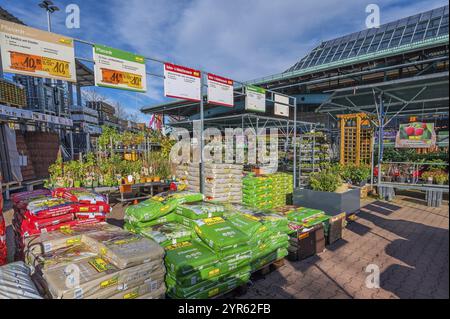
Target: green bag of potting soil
x=267, y=248
x=150, y=210
x=200, y=210
x=301, y=214
x=249, y=225
x=219, y=234
x=189, y=258
x=169, y=218
x=208, y=288
x=168, y=234
x=185, y=197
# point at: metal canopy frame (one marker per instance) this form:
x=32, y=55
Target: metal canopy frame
x=385, y=101
x=424, y=94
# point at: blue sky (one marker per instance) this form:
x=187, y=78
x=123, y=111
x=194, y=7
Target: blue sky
x=242, y=40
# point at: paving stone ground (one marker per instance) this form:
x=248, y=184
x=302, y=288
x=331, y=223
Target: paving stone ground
x=406, y=240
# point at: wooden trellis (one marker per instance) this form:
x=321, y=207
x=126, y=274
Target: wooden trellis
x=356, y=139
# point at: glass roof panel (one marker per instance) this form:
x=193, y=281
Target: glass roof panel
x=408, y=30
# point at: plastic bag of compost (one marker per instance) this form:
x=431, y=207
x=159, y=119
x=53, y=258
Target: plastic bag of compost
x=188, y=258
x=200, y=210
x=168, y=234
x=220, y=234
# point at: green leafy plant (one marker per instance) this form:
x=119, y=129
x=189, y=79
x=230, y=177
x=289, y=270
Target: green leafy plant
x=440, y=177
x=325, y=181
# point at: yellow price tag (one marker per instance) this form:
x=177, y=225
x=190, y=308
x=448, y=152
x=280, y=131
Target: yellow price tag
x=56, y=67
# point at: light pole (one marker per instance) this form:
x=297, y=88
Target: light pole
x=50, y=8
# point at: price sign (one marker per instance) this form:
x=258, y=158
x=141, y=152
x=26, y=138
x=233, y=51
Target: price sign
x=220, y=90
x=37, y=53
x=119, y=69
x=182, y=83
x=255, y=99
x=281, y=105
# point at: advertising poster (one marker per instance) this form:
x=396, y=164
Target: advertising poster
x=281, y=107
x=119, y=69
x=182, y=83
x=37, y=53
x=220, y=91
x=255, y=99
x=416, y=135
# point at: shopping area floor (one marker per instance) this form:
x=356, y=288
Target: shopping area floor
x=406, y=240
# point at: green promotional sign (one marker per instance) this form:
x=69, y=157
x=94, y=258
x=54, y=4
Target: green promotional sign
x=119, y=69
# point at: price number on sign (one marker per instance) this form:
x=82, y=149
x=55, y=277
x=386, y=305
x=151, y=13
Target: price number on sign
x=25, y=62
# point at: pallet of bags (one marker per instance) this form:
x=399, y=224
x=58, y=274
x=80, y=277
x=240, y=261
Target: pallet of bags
x=257, y=191
x=283, y=184
x=38, y=245
x=222, y=182
x=195, y=271
x=267, y=232
x=37, y=212
x=16, y=282
x=108, y=262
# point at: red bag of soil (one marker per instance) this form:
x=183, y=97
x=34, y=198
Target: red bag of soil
x=79, y=195
x=92, y=208
x=21, y=200
x=90, y=215
x=28, y=229
x=46, y=222
x=50, y=207
x=3, y=251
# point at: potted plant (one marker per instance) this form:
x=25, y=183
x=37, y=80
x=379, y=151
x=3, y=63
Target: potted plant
x=323, y=193
x=428, y=176
x=440, y=177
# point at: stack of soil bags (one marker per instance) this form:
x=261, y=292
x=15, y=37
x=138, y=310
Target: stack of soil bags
x=182, y=173
x=267, y=233
x=223, y=182
x=43, y=211
x=283, y=185
x=214, y=263
x=16, y=282
x=192, y=174
x=258, y=192
x=157, y=210
x=98, y=262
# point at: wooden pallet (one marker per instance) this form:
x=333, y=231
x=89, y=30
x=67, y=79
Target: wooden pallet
x=268, y=268
x=233, y=293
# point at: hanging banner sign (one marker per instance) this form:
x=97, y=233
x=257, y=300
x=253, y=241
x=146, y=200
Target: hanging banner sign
x=416, y=135
x=119, y=69
x=283, y=108
x=255, y=99
x=37, y=53
x=182, y=83
x=220, y=91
